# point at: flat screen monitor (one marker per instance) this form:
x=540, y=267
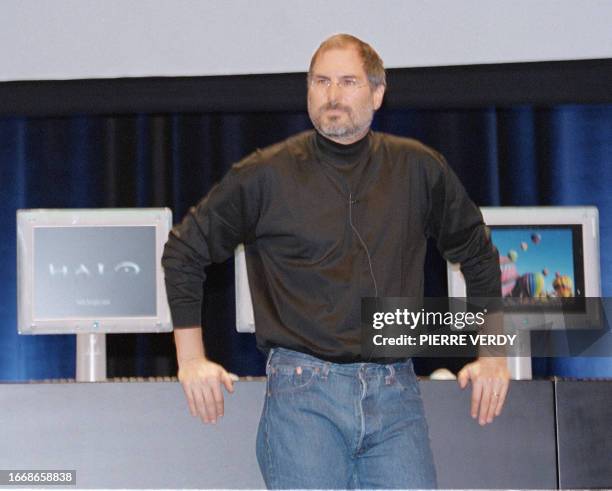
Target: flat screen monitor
x=550, y=276
x=549, y=265
x=92, y=270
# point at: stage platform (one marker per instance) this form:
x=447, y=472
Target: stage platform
x=141, y=435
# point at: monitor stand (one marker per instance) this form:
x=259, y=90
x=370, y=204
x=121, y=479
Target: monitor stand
x=91, y=357
x=520, y=366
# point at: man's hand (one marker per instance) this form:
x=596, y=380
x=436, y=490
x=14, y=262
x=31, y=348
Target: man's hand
x=201, y=380
x=490, y=380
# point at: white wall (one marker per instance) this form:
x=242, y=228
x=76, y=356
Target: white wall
x=66, y=39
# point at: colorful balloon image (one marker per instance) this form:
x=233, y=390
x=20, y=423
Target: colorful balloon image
x=529, y=285
x=512, y=255
x=539, y=285
x=524, y=246
x=563, y=285
x=536, y=238
x=509, y=275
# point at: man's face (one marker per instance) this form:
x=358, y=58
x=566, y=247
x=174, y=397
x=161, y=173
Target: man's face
x=341, y=102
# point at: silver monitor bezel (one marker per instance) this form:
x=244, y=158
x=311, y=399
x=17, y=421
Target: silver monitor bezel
x=29, y=219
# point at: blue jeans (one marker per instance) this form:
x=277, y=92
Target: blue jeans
x=341, y=426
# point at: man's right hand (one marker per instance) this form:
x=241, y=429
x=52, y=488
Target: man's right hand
x=201, y=380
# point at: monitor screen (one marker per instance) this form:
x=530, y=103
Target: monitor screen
x=540, y=261
x=94, y=272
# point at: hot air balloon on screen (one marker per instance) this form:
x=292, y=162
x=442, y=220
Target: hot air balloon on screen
x=509, y=275
x=529, y=285
x=563, y=285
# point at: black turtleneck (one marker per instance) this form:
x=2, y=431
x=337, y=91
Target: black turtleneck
x=348, y=160
x=314, y=251
x=340, y=154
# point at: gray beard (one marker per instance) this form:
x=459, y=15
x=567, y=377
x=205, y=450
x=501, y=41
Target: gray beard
x=339, y=131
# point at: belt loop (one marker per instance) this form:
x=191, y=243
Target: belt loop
x=325, y=370
x=268, y=360
x=389, y=379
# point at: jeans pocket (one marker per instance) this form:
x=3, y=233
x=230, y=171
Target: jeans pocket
x=291, y=379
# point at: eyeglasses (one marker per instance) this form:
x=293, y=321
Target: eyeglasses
x=348, y=84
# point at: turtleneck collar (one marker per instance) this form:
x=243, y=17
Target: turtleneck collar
x=341, y=154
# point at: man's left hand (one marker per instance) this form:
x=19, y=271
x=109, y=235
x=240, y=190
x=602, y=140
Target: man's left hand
x=490, y=379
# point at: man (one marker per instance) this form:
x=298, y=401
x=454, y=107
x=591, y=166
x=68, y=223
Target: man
x=328, y=217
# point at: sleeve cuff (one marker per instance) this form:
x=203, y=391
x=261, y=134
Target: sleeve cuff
x=186, y=316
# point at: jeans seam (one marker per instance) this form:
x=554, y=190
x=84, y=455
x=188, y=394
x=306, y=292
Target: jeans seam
x=361, y=414
x=355, y=477
x=266, y=425
x=271, y=472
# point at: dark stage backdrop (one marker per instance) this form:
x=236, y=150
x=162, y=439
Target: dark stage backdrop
x=522, y=155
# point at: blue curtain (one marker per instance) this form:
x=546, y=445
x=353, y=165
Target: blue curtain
x=504, y=156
